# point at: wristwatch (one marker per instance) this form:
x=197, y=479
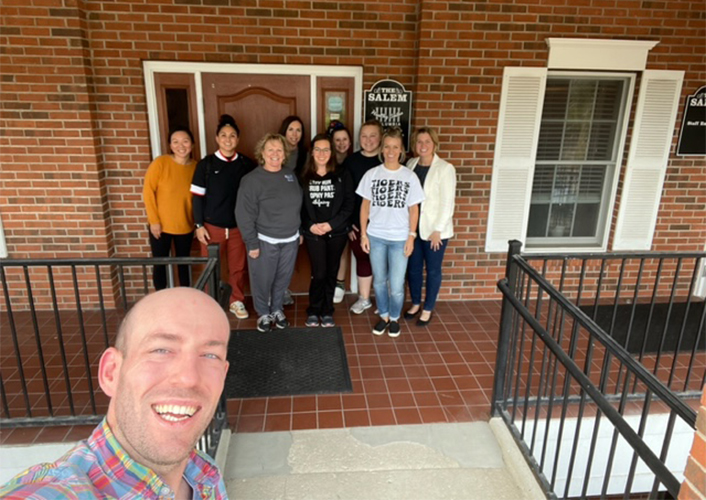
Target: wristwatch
x=197, y=225
x=412, y=233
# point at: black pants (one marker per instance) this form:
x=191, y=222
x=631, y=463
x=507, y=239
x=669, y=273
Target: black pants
x=325, y=255
x=161, y=248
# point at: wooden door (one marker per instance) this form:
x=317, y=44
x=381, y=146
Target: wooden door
x=259, y=103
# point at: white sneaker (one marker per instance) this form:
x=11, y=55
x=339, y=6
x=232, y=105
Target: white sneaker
x=361, y=305
x=238, y=308
x=288, y=300
x=339, y=294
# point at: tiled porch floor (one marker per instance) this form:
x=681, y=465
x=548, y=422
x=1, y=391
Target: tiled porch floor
x=440, y=373
x=437, y=374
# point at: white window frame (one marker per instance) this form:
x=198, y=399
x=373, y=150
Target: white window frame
x=608, y=205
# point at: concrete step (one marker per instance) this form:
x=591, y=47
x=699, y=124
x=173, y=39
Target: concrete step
x=439, y=461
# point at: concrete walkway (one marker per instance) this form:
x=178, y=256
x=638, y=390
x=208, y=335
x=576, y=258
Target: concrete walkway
x=437, y=461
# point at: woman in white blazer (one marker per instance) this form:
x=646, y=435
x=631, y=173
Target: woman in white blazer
x=438, y=178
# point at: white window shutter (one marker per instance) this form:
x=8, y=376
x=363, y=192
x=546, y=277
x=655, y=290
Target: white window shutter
x=520, y=114
x=650, y=145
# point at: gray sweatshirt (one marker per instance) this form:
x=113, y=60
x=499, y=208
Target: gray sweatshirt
x=268, y=203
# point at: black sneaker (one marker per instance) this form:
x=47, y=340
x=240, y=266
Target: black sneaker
x=327, y=321
x=264, y=323
x=380, y=327
x=312, y=321
x=280, y=320
x=394, y=329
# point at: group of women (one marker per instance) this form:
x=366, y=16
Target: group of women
x=327, y=198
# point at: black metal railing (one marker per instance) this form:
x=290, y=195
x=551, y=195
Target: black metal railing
x=645, y=301
x=590, y=418
x=59, y=316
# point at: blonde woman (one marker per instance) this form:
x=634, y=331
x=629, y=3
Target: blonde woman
x=388, y=222
x=438, y=178
x=268, y=212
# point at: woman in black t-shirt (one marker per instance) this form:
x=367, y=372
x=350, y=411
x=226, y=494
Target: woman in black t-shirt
x=214, y=188
x=327, y=207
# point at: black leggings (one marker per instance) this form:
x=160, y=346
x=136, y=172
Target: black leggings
x=325, y=255
x=161, y=248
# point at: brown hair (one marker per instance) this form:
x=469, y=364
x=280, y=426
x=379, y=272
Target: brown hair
x=310, y=165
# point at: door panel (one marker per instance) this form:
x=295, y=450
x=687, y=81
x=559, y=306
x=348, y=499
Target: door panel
x=259, y=103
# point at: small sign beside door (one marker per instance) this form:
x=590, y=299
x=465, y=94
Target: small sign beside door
x=388, y=102
x=692, y=137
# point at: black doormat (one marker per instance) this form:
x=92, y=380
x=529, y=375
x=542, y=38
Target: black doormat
x=287, y=362
x=659, y=316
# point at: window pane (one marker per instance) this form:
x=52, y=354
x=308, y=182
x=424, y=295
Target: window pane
x=608, y=99
x=600, y=146
x=555, y=99
x=538, y=217
x=576, y=141
x=560, y=220
x=566, y=184
x=581, y=99
x=591, y=186
x=586, y=221
x=550, y=136
x=543, y=183
x=177, y=108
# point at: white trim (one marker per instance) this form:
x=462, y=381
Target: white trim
x=314, y=123
x=3, y=242
x=700, y=288
x=200, y=119
x=198, y=68
x=599, y=54
x=152, y=113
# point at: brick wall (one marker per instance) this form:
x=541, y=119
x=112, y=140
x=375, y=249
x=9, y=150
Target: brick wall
x=74, y=121
x=694, y=485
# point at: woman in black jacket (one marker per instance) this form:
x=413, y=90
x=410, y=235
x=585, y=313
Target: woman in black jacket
x=327, y=207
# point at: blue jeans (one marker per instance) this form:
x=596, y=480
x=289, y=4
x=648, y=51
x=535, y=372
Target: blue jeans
x=389, y=268
x=424, y=254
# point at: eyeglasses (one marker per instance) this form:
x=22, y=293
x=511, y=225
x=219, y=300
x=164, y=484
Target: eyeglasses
x=322, y=150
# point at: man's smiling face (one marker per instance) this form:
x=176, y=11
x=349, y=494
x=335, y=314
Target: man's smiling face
x=167, y=377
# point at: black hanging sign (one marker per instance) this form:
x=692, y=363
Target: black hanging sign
x=388, y=102
x=692, y=138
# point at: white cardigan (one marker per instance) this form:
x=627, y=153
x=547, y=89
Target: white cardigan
x=437, y=209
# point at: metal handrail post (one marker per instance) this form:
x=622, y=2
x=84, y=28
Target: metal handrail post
x=506, y=314
x=213, y=280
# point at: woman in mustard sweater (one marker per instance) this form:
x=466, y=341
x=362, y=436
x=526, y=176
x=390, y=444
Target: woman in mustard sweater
x=168, y=203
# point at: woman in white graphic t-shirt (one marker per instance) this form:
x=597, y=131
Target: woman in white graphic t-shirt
x=388, y=221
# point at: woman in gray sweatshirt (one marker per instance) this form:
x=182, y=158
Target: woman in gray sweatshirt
x=268, y=213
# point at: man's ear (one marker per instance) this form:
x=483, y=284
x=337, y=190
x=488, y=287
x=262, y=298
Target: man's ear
x=109, y=371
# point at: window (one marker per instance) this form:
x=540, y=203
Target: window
x=577, y=153
x=556, y=164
